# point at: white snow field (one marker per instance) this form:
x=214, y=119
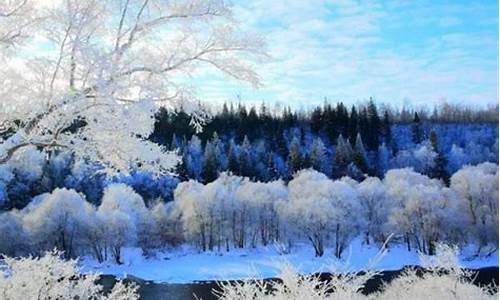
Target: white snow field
x=185, y=264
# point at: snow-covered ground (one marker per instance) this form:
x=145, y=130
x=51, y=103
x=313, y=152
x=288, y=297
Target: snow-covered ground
x=184, y=265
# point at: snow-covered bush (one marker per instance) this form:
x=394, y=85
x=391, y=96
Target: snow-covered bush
x=58, y=219
x=50, y=277
x=444, y=280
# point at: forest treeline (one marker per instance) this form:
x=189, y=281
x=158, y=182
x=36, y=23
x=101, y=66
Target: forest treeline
x=336, y=140
x=264, y=146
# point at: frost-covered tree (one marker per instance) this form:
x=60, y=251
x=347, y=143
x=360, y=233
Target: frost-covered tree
x=322, y=210
x=245, y=158
x=209, y=171
x=262, y=200
x=22, y=177
x=383, y=159
x=190, y=204
x=114, y=63
x=125, y=219
x=14, y=239
x=343, y=156
x=478, y=190
x=17, y=19
x=167, y=228
x=359, y=156
x=438, y=170
x=318, y=156
x=51, y=277
x=424, y=158
x=417, y=134
x=295, y=156
x=59, y=219
x=233, y=158
x=194, y=156
x=420, y=210
x=375, y=207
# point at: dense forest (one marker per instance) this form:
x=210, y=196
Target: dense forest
x=266, y=145
x=333, y=139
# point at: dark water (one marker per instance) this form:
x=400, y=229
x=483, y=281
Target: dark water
x=149, y=290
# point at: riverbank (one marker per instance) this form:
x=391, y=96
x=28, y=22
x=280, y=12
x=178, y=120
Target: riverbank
x=187, y=265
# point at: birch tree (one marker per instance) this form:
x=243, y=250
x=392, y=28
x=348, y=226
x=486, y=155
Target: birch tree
x=107, y=67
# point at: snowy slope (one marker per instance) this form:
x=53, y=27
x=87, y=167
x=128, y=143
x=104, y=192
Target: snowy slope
x=184, y=265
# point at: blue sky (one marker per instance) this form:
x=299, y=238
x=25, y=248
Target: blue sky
x=398, y=52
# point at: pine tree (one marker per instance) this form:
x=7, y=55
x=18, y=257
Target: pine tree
x=233, y=164
x=386, y=129
x=295, y=156
x=210, y=167
x=272, y=171
x=353, y=128
x=360, y=158
x=219, y=152
x=342, y=157
x=440, y=162
x=417, y=135
x=245, y=159
x=374, y=126
x=261, y=161
x=317, y=120
x=318, y=155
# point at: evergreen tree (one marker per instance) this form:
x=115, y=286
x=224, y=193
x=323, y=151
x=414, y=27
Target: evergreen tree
x=364, y=123
x=252, y=123
x=272, y=170
x=210, y=167
x=386, y=129
x=261, y=161
x=233, y=164
x=295, y=156
x=318, y=155
x=353, y=128
x=342, y=157
x=360, y=158
x=317, y=120
x=331, y=123
x=245, y=158
x=417, y=135
x=374, y=126
x=440, y=162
